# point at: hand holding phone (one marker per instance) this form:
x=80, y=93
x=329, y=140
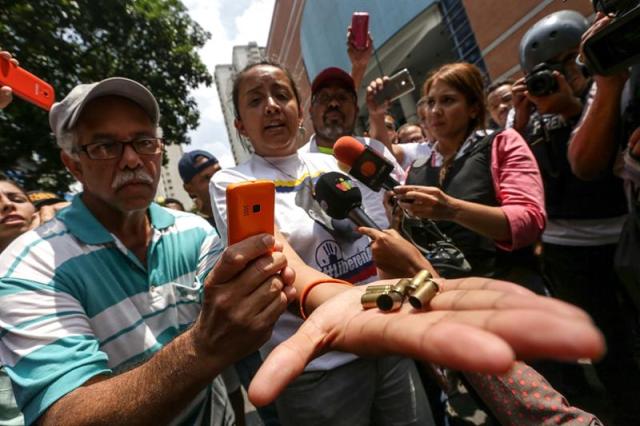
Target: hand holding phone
x=398, y=85
x=359, y=30
x=26, y=85
x=250, y=209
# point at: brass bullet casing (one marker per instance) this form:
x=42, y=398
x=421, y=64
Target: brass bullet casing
x=369, y=299
x=390, y=301
x=370, y=296
x=380, y=288
x=423, y=294
x=402, y=286
x=418, y=279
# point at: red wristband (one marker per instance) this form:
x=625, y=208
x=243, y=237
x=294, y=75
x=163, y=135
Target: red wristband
x=309, y=287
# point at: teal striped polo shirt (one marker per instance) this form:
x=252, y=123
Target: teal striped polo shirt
x=75, y=302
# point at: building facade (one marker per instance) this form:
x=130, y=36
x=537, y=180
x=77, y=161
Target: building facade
x=310, y=35
x=224, y=76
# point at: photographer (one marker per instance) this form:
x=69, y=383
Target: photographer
x=585, y=218
x=598, y=139
x=609, y=130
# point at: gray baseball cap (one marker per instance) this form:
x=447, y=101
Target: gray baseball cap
x=64, y=114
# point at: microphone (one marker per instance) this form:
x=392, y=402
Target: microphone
x=367, y=165
x=341, y=199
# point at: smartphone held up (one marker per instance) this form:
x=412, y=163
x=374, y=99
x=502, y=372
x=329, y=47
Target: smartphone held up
x=26, y=85
x=250, y=209
x=398, y=85
x=360, y=30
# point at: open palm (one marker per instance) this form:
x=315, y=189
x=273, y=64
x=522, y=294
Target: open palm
x=475, y=324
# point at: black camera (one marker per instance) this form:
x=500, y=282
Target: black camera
x=617, y=46
x=541, y=81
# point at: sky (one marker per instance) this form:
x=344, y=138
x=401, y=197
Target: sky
x=230, y=23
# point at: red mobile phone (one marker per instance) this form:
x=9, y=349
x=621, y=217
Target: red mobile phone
x=250, y=209
x=26, y=85
x=360, y=30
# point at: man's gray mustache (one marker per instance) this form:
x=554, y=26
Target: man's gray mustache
x=127, y=176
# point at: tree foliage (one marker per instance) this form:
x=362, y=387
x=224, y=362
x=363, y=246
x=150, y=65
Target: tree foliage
x=67, y=42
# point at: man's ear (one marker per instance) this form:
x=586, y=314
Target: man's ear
x=240, y=127
x=187, y=188
x=72, y=164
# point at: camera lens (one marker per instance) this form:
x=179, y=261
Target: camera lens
x=256, y=208
x=541, y=83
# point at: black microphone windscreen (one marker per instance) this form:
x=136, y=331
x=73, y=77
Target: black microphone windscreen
x=337, y=194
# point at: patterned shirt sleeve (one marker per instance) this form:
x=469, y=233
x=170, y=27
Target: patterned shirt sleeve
x=523, y=397
x=210, y=250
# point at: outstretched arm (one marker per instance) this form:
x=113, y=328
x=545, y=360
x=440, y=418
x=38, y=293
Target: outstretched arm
x=359, y=58
x=593, y=143
x=430, y=202
x=504, y=394
x=473, y=324
x=377, y=127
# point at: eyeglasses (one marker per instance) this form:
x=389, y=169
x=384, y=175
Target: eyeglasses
x=340, y=97
x=110, y=149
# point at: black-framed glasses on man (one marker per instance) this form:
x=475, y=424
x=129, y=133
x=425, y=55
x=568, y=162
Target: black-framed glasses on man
x=109, y=149
x=341, y=97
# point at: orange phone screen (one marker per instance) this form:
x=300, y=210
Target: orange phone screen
x=250, y=209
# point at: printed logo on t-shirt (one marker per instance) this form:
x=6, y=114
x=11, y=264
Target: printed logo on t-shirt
x=357, y=268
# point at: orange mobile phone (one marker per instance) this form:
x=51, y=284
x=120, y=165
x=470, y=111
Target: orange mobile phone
x=26, y=85
x=250, y=209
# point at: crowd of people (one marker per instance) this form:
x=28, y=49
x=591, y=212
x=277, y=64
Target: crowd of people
x=114, y=309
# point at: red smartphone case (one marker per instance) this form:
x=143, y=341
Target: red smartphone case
x=26, y=85
x=359, y=29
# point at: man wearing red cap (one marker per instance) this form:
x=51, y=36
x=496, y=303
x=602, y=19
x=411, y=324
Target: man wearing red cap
x=334, y=108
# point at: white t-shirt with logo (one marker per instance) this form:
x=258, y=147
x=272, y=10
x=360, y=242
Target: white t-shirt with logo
x=321, y=243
